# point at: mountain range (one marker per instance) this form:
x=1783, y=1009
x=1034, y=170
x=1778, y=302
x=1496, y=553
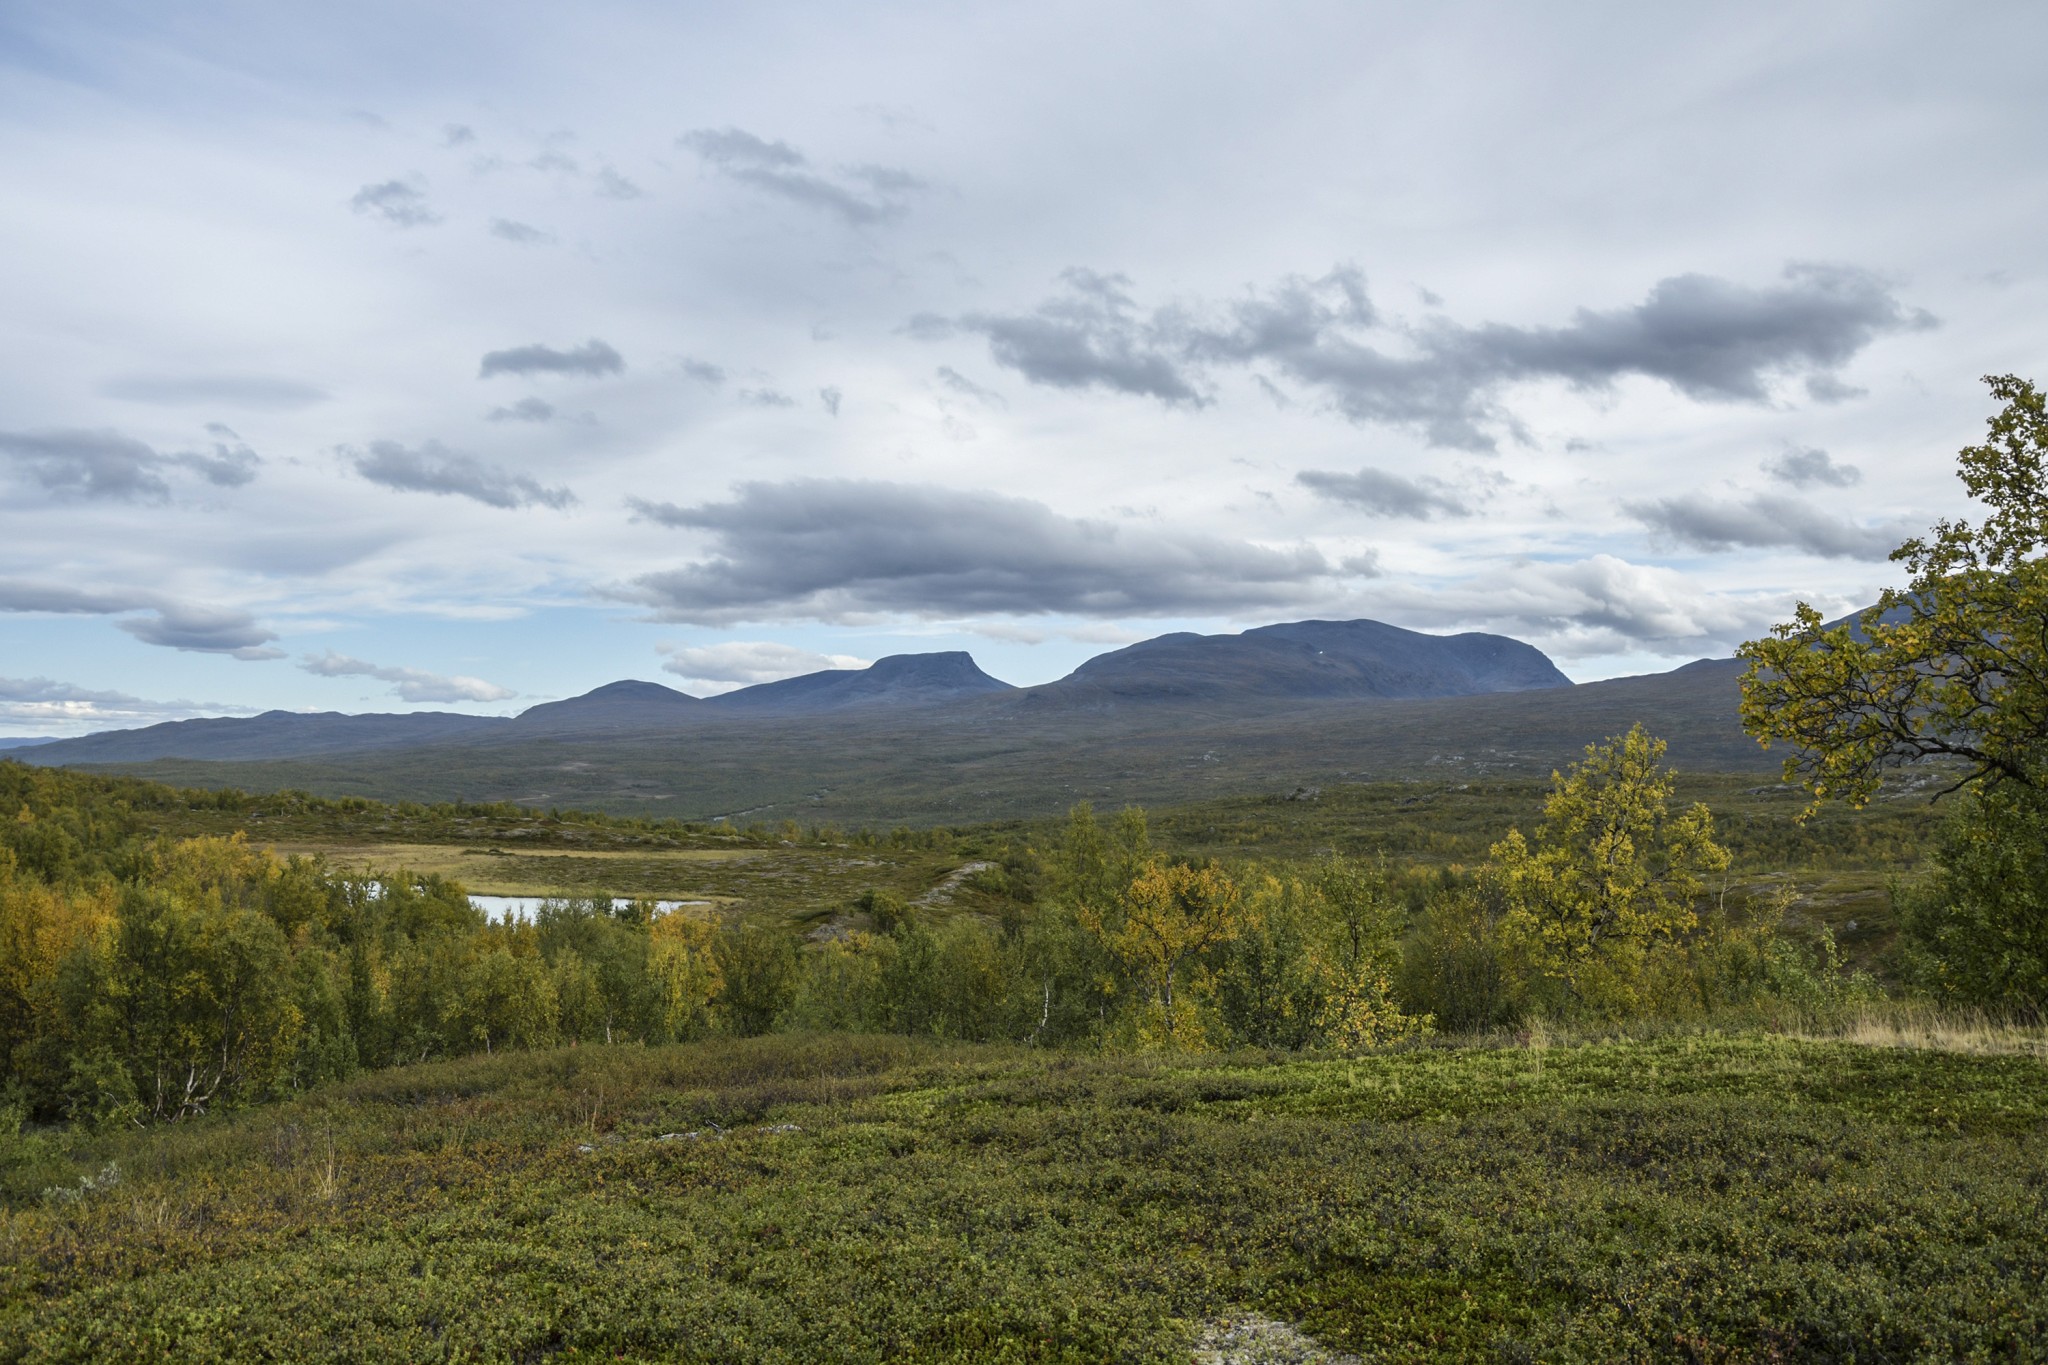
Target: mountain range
x=927, y=737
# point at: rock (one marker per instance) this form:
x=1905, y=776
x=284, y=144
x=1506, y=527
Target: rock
x=1248, y=1339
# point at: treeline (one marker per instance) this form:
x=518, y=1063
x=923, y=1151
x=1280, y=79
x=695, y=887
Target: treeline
x=146, y=978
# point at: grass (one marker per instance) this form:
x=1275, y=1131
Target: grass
x=1688, y=1197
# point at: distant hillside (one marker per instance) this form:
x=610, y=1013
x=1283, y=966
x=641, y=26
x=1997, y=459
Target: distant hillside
x=898, y=680
x=24, y=741
x=995, y=756
x=619, y=706
x=274, y=734
x=1309, y=659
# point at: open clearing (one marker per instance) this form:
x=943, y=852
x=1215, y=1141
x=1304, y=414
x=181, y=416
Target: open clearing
x=848, y=1198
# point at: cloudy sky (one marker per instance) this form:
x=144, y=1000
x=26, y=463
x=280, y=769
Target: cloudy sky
x=395, y=356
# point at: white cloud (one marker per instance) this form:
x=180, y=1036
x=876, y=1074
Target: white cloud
x=711, y=669
x=408, y=684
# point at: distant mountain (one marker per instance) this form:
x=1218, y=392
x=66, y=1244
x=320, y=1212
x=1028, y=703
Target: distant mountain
x=627, y=705
x=274, y=734
x=1304, y=660
x=1310, y=698
x=898, y=680
x=24, y=741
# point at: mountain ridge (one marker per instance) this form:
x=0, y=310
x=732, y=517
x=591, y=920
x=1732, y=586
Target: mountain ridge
x=1288, y=663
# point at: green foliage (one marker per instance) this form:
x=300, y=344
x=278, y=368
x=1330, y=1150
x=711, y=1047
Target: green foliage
x=1593, y=912
x=1953, y=666
x=757, y=965
x=865, y=1199
x=1977, y=931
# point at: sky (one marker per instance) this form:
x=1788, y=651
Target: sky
x=392, y=357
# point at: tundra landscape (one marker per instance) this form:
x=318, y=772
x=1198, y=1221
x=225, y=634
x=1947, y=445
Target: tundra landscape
x=1064, y=684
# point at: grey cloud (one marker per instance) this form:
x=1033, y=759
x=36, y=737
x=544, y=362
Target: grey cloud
x=525, y=410
x=229, y=466
x=107, y=465
x=766, y=398
x=1765, y=521
x=408, y=684
x=593, y=358
x=1806, y=468
x=45, y=701
x=395, y=202
x=862, y=195
x=612, y=185
x=457, y=135
x=203, y=630
x=175, y=625
x=1711, y=339
x=1090, y=338
x=58, y=599
x=433, y=468
x=263, y=392
x=961, y=384
x=89, y=464
x=1826, y=388
x=1598, y=605
x=520, y=234
x=1380, y=494
x=703, y=371
x=831, y=398
x=827, y=549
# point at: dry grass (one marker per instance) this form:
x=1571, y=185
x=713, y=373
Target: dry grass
x=1925, y=1028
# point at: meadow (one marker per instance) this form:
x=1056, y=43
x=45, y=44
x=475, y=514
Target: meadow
x=803, y=1198
x=421, y=1140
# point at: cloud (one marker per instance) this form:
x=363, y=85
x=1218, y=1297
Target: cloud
x=203, y=630
x=593, y=358
x=861, y=195
x=262, y=392
x=1594, y=606
x=831, y=398
x=49, y=705
x=433, y=468
x=1713, y=340
x=408, y=684
x=1380, y=494
x=1806, y=468
x=60, y=600
x=1766, y=522
x=396, y=203
x=839, y=550
x=107, y=465
x=457, y=135
x=703, y=371
x=967, y=388
x=766, y=398
x=1090, y=338
x=743, y=663
x=520, y=234
x=159, y=620
x=525, y=410
x=612, y=185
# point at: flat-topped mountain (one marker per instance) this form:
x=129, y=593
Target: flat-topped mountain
x=898, y=680
x=274, y=734
x=1242, y=675
x=1310, y=659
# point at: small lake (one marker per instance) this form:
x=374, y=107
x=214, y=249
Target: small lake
x=503, y=908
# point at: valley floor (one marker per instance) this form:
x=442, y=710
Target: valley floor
x=1689, y=1197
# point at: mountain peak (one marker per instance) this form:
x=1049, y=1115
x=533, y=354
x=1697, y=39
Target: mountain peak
x=896, y=680
x=1313, y=659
